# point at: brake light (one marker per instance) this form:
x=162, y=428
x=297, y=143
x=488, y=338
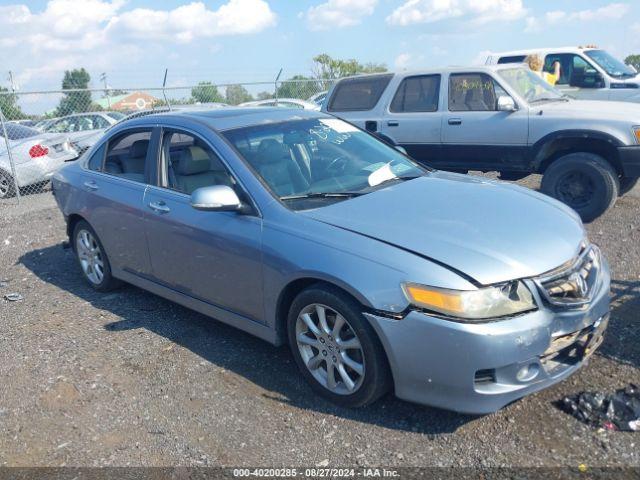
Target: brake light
x=38, y=151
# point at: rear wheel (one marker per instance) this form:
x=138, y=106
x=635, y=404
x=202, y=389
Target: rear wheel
x=584, y=181
x=7, y=186
x=92, y=258
x=335, y=348
x=627, y=184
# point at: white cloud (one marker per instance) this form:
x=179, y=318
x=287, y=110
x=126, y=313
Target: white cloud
x=431, y=11
x=612, y=11
x=194, y=20
x=402, y=61
x=339, y=13
x=99, y=33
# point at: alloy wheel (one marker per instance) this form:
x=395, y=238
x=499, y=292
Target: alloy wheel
x=5, y=186
x=90, y=257
x=330, y=349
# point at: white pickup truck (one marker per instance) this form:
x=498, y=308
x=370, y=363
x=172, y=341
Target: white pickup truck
x=502, y=118
x=587, y=73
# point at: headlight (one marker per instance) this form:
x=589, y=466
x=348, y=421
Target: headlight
x=484, y=303
x=636, y=133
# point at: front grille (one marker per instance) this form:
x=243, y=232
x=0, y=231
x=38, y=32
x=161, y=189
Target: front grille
x=575, y=284
x=485, y=376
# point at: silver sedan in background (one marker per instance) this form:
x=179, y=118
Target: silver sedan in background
x=452, y=290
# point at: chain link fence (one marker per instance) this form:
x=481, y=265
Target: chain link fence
x=43, y=130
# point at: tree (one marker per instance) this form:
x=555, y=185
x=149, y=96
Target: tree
x=634, y=61
x=327, y=69
x=264, y=95
x=9, y=105
x=73, y=102
x=298, y=86
x=206, y=92
x=236, y=94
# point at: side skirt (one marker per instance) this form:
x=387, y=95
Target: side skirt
x=217, y=313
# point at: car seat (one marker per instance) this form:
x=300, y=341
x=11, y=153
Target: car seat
x=193, y=171
x=277, y=167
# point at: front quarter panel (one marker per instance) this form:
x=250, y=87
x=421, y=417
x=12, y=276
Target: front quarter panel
x=296, y=247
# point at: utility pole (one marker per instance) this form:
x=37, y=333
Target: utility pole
x=103, y=78
x=12, y=82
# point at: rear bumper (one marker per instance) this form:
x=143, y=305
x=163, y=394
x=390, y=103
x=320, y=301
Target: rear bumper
x=630, y=161
x=479, y=368
x=37, y=170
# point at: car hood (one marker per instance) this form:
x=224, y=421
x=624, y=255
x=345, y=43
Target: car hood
x=490, y=231
x=597, y=109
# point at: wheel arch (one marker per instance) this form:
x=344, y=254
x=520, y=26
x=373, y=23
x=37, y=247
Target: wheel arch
x=557, y=144
x=72, y=221
x=293, y=289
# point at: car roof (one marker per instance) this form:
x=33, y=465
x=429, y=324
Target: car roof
x=532, y=51
x=435, y=71
x=230, y=117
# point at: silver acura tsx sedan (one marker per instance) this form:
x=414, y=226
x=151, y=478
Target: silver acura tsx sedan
x=451, y=290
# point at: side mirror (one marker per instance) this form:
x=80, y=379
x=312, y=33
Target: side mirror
x=588, y=78
x=506, y=104
x=401, y=150
x=217, y=198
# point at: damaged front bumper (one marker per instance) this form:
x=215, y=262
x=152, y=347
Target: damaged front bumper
x=480, y=367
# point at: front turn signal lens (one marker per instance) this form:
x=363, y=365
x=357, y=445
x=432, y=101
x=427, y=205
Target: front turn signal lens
x=636, y=132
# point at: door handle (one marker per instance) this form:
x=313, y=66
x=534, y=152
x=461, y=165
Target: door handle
x=159, y=207
x=91, y=186
x=455, y=121
x=393, y=123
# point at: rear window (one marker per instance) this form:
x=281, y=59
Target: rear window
x=358, y=93
x=512, y=59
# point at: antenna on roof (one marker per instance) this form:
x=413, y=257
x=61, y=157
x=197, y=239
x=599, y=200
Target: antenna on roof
x=164, y=84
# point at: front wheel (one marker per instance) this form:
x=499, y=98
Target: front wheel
x=584, y=181
x=335, y=348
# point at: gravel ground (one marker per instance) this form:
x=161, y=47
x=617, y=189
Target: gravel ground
x=128, y=378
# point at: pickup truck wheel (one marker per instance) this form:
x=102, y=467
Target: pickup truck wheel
x=7, y=186
x=584, y=181
x=627, y=184
x=335, y=348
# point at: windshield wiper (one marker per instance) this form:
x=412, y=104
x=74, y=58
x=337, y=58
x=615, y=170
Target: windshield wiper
x=322, y=195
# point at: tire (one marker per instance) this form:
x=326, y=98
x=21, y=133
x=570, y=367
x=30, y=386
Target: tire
x=627, y=184
x=584, y=181
x=363, y=348
x=7, y=185
x=92, y=257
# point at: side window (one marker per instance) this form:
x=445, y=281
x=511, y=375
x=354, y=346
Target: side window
x=572, y=67
x=417, y=94
x=358, y=93
x=95, y=162
x=99, y=122
x=473, y=92
x=512, y=59
x=126, y=155
x=189, y=163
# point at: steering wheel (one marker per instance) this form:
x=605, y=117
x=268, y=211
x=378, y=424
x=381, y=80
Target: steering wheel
x=338, y=165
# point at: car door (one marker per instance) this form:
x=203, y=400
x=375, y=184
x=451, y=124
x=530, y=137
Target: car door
x=413, y=118
x=115, y=183
x=577, y=76
x=215, y=257
x=475, y=134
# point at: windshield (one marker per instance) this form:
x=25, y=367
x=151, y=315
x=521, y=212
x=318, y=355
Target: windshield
x=306, y=162
x=530, y=85
x=116, y=115
x=610, y=64
x=15, y=131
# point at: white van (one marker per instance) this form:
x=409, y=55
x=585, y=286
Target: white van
x=587, y=73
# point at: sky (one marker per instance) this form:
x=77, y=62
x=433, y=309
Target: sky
x=222, y=41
